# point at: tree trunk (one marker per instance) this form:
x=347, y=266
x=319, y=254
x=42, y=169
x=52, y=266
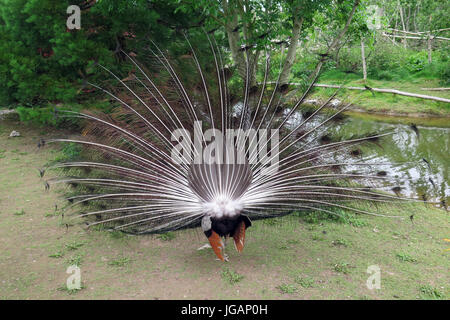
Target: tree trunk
x=363, y=58
x=403, y=25
x=429, y=47
x=335, y=42
x=290, y=57
x=242, y=60
x=429, y=42
x=233, y=38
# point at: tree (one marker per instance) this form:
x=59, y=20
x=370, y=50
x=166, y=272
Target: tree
x=253, y=26
x=42, y=62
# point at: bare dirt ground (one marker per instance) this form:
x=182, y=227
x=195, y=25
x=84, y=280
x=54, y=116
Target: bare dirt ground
x=289, y=258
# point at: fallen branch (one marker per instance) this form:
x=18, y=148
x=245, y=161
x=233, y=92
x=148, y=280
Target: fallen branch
x=411, y=37
x=393, y=91
x=435, y=89
x=419, y=32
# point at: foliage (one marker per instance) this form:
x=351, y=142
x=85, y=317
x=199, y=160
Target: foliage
x=287, y=288
x=405, y=257
x=417, y=61
x=44, y=65
x=168, y=236
x=231, y=276
x=119, y=262
x=429, y=292
x=43, y=62
x=305, y=282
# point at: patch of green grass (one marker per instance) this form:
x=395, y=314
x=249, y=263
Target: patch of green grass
x=75, y=260
x=100, y=227
x=287, y=288
x=283, y=246
x=404, y=257
x=64, y=288
x=317, y=237
x=57, y=254
x=340, y=216
x=352, y=219
x=74, y=245
x=168, y=236
x=114, y=234
x=342, y=267
x=305, y=282
x=429, y=292
x=20, y=212
x=340, y=242
x=119, y=262
x=53, y=213
x=272, y=221
x=231, y=276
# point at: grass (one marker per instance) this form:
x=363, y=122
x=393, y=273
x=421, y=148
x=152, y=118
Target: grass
x=168, y=236
x=20, y=212
x=75, y=260
x=74, y=245
x=305, y=282
x=231, y=276
x=119, y=262
x=53, y=213
x=341, y=243
x=57, y=254
x=65, y=289
x=34, y=256
x=342, y=267
x=404, y=257
x=429, y=292
x=114, y=234
x=287, y=288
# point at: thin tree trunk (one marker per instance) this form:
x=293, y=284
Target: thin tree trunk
x=429, y=42
x=363, y=58
x=403, y=25
x=429, y=47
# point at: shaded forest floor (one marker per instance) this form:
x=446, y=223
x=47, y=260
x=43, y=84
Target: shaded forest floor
x=296, y=257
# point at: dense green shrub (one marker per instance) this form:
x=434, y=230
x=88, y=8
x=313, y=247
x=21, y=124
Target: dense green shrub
x=42, y=63
x=47, y=115
x=387, y=62
x=416, y=62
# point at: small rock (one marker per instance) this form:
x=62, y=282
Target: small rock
x=14, y=134
x=4, y=113
x=335, y=103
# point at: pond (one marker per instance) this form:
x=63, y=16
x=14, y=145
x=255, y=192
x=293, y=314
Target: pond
x=418, y=158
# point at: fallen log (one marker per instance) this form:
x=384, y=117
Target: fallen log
x=435, y=89
x=393, y=91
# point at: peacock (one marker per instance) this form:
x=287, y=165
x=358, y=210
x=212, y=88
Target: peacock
x=189, y=144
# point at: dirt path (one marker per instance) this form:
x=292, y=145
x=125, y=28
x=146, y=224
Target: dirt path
x=283, y=259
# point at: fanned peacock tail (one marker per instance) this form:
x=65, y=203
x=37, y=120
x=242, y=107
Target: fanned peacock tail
x=150, y=166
